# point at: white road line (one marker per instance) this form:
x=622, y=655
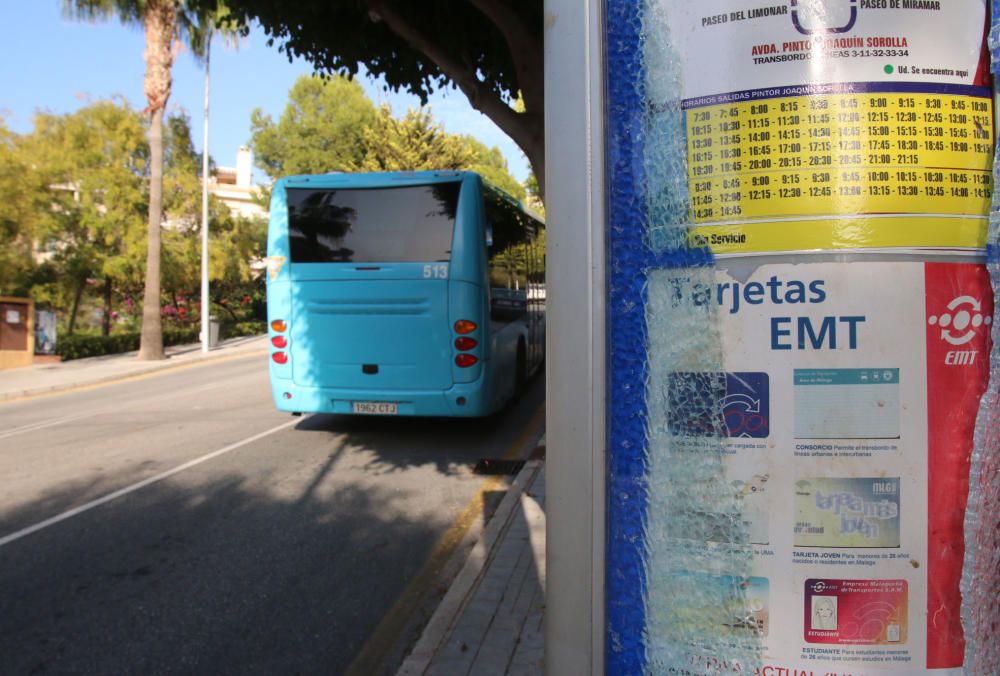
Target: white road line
x=45, y=423
x=7, y=539
x=42, y=424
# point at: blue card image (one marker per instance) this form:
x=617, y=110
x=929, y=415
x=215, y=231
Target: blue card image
x=719, y=404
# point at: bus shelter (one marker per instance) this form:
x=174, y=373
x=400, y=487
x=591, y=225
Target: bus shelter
x=787, y=461
x=17, y=341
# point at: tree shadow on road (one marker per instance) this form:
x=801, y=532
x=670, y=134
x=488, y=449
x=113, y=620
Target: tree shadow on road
x=216, y=578
x=282, y=566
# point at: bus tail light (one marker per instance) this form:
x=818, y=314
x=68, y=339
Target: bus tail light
x=465, y=343
x=279, y=325
x=465, y=360
x=279, y=341
x=464, y=326
x=280, y=357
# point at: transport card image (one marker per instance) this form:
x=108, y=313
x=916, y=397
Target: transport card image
x=727, y=604
x=847, y=403
x=847, y=512
x=735, y=405
x=859, y=612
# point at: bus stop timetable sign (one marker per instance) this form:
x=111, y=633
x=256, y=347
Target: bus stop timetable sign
x=799, y=337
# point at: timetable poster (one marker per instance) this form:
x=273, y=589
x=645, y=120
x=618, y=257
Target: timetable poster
x=840, y=124
x=847, y=460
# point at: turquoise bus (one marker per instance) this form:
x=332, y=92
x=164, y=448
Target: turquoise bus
x=410, y=294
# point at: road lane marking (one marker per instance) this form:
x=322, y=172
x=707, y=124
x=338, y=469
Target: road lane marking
x=126, y=378
x=380, y=644
x=46, y=423
x=76, y=511
x=43, y=424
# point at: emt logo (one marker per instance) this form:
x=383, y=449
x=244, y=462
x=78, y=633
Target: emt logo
x=959, y=324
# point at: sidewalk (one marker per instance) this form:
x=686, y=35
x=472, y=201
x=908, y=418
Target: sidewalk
x=54, y=377
x=491, y=620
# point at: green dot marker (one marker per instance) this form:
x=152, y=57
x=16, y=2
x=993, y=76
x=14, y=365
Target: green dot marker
x=888, y=70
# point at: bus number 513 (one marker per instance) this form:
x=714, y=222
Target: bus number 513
x=435, y=272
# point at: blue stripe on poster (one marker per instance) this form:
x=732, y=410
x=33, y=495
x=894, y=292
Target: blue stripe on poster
x=630, y=241
x=625, y=582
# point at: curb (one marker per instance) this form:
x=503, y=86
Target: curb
x=442, y=622
x=147, y=369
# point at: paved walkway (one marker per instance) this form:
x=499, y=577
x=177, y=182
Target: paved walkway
x=70, y=375
x=491, y=620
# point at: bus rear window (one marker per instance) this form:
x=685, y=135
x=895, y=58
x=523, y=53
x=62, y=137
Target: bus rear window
x=372, y=225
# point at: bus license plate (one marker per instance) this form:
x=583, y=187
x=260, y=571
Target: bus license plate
x=376, y=407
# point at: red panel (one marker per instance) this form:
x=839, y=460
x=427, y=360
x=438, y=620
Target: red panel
x=957, y=374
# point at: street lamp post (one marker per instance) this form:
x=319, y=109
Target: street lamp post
x=204, y=210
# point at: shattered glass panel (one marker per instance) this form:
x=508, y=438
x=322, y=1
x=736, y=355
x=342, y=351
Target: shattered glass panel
x=685, y=592
x=981, y=571
x=693, y=597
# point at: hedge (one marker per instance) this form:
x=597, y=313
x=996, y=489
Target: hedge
x=79, y=346
x=237, y=329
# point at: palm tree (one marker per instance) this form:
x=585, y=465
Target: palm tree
x=165, y=23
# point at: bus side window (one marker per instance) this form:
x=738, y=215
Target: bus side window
x=508, y=264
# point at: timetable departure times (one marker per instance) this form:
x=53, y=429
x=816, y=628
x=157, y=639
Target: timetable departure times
x=841, y=154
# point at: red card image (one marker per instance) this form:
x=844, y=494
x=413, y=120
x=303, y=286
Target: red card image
x=857, y=612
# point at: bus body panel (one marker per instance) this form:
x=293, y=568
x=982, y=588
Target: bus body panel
x=505, y=341
x=278, y=286
x=374, y=334
x=469, y=236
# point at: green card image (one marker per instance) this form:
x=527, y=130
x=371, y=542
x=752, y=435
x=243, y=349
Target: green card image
x=847, y=512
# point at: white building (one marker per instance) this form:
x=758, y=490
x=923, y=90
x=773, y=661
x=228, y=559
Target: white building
x=235, y=186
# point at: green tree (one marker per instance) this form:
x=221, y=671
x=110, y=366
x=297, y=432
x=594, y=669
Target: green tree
x=22, y=212
x=490, y=49
x=165, y=23
x=235, y=244
x=534, y=195
x=238, y=245
x=320, y=130
x=331, y=125
x=413, y=143
x=94, y=162
x=181, y=252
x=492, y=165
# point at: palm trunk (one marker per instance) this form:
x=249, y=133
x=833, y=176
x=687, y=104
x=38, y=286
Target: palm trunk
x=76, y=307
x=106, y=324
x=159, y=20
x=151, y=341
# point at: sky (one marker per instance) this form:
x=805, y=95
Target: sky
x=57, y=65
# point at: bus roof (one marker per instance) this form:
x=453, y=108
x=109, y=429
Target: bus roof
x=385, y=179
x=381, y=179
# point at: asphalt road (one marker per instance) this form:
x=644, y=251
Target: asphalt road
x=252, y=548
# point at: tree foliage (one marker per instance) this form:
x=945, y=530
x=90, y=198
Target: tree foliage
x=414, y=142
x=22, y=212
x=95, y=162
x=320, y=130
x=329, y=124
x=74, y=225
x=492, y=165
x=490, y=49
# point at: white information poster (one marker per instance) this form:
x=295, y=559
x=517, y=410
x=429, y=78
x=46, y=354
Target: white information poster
x=849, y=403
